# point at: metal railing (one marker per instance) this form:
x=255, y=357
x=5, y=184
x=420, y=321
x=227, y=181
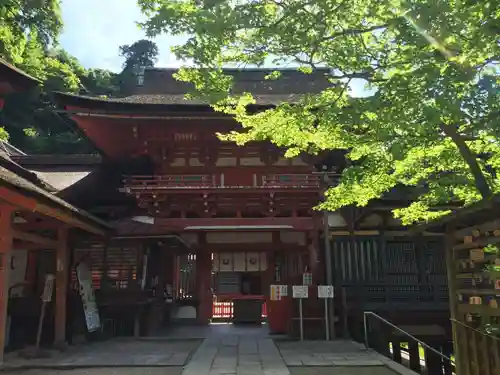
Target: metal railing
x=445, y=365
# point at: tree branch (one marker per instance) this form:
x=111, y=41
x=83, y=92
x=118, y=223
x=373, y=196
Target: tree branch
x=479, y=178
x=351, y=32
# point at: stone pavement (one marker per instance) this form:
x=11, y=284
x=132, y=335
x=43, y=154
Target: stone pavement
x=327, y=353
x=113, y=353
x=225, y=350
x=102, y=371
x=237, y=355
x=247, y=351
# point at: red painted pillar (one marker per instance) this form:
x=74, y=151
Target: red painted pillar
x=203, y=281
x=6, y=240
x=270, y=273
x=62, y=255
x=313, y=255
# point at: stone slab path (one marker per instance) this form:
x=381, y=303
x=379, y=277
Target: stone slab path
x=255, y=355
x=224, y=350
x=101, y=371
x=113, y=353
x=237, y=355
x=327, y=353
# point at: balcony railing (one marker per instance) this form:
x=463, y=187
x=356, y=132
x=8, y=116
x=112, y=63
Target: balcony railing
x=291, y=181
x=160, y=182
x=216, y=181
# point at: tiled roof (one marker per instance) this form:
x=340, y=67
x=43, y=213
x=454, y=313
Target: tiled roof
x=61, y=180
x=7, y=68
x=28, y=161
x=161, y=88
x=10, y=150
x=180, y=99
x=8, y=163
x=13, y=181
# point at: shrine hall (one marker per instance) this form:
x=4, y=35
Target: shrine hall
x=174, y=226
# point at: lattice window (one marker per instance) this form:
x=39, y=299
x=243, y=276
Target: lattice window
x=121, y=263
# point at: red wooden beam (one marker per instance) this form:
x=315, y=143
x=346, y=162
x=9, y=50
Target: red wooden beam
x=45, y=242
x=30, y=204
x=62, y=253
x=22, y=246
x=15, y=199
x=42, y=225
x=252, y=247
x=6, y=240
x=206, y=224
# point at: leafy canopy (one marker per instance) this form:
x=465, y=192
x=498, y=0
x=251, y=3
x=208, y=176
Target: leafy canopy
x=142, y=53
x=29, y=32
x=430, y=120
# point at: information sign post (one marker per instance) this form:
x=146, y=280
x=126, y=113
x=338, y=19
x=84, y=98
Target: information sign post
x=300, y=292
x=278, y=291
x=326, y=292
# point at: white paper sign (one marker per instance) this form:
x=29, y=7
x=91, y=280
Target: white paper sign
x=300, y=291
x=48, y=288
x=278, y=291
x=325, y=291
x=307, y=278
x=226, y=262
x=88, y=298
x=239, y=262
x=284, y=290
x=253, y=262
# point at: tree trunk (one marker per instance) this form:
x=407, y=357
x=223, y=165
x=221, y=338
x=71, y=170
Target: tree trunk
x=480, y=180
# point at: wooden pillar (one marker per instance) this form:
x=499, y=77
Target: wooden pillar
x=62, y=255
x=6, y=240
x=269, y=275
x=313, y=254
x=460, y=364
x=420, y=257
x=203, y=282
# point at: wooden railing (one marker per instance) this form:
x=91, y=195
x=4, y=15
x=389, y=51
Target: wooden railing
x=134, y=184
x=404, y=348
x=291, y=181
x=224, y=310
x=160, y=182
x=479, y=353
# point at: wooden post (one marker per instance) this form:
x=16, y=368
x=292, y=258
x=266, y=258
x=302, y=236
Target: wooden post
x=451, y=273
x=6, y=239
x=203, y=281
x=204, y=278
x=62, y=254
x=313, y=255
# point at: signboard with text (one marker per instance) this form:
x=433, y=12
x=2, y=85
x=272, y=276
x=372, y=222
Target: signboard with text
x=278, y=291
x=325, y=291
x=300, y=291
x=88, y=298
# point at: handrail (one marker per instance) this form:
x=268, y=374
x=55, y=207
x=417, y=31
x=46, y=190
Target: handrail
x=475, y=330
x=366, y=313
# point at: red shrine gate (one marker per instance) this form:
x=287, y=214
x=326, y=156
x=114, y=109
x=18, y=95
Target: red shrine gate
x=242, y=275
x=245, y=212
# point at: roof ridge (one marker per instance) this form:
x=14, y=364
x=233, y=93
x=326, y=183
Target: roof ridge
x=12, y=67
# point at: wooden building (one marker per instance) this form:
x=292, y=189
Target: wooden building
x=216, y=216
x=35, y=231
x=13, y=80
x=199, y=225
x=473, y=267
